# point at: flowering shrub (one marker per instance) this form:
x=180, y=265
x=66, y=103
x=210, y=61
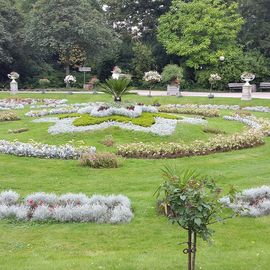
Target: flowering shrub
x=219, y=143
x=152, y=77
x=40, y=150
x=214, y=78
x=99, y=160
x=66, y=208
x=251, y=202
x=195, y=111
x=8, y=116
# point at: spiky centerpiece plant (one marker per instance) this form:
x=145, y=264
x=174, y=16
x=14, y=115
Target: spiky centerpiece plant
x=116, y=87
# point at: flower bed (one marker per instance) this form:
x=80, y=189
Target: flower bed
x=162, y=127
x=220, y=107
x=195, y=111
x=252, y=121
x=219, y=143
x=253, y=202
x=40, y=150
x=65, y=208
x=8, y=116
x=19, y=103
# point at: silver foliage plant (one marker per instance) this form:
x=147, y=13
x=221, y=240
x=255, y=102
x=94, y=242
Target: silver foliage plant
x=40, y=150
x=253, y=202
x=113, y=209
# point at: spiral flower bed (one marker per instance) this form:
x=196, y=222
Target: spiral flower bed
x=69, y=207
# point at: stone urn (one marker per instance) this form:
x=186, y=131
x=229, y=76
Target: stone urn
x=13, y=84
x=247, y=87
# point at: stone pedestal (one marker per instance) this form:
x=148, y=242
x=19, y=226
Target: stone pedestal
x=173, y=90
x=13, y=87
x=246, y=92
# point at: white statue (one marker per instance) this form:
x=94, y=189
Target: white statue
x=13, y=84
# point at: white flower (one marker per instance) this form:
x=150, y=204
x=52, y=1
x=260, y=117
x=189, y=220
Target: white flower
x=152, y=76
x=214, y=78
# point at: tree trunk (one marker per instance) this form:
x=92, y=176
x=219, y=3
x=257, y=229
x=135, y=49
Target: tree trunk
x=194, y=240
x=117, y=99
x=189, y=249
x=67, y=68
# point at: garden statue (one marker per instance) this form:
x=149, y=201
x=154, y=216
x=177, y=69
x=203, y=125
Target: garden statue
x=247, y=87
x=69, y=79
x=13, y=84
x=116, y=73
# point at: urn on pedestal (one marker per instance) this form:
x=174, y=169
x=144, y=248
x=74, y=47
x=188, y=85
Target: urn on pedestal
x=247, y=87
x=13, y=84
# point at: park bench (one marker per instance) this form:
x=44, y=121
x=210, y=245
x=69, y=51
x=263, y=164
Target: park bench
x=264, y=85
x=239, y=86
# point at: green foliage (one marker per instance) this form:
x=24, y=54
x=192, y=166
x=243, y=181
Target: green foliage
x=116, y=88
x=172, y=73
x=56, y=28
x=200, y=30
x=145, y=120
x=143, y=60
x=236, y=62
x=256, y=31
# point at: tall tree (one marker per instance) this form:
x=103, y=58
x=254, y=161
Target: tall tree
x=256, y=31
x=136, y=17
x=71, y=30
x=200, y=30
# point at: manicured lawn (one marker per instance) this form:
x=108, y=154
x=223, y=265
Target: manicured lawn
x=149, y=241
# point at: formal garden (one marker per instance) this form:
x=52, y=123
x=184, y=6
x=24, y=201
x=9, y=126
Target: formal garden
x=106, y=162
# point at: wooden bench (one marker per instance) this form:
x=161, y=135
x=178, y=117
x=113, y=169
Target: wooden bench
x=264, y=85
x=239, y=86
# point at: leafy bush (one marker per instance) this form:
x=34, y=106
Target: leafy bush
x=99, y=160
x=8, y=116
x=172, y=74
x=193, y=203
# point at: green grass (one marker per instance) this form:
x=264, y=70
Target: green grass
x=149, y=241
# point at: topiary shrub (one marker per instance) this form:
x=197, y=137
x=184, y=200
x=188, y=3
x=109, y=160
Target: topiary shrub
x=172, y=74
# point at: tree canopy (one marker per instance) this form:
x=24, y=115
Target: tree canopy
x=200, y=30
